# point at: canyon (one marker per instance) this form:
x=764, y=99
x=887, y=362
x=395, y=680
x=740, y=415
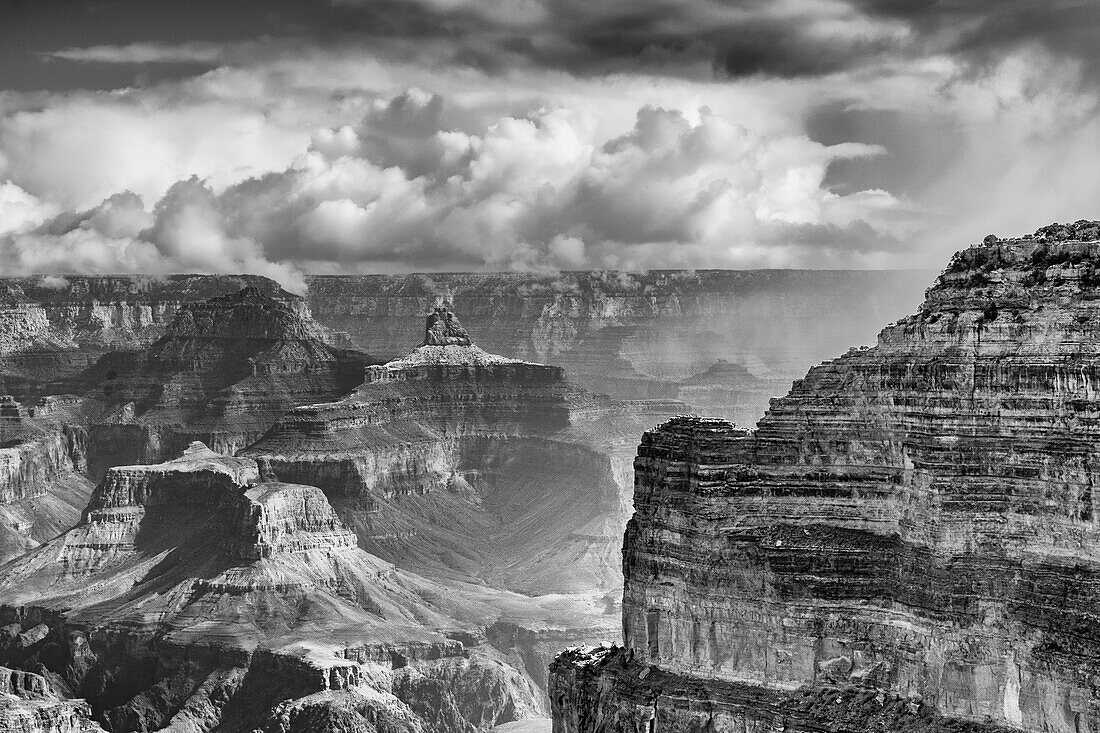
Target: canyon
x=906, y=541
x=227, y=507
x=722, y=341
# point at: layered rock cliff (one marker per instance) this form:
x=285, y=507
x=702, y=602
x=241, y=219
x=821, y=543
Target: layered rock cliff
x=638, y=335
x=42, y=484
x=224, y=370
x=472, y=466
x=907, y=539
x=52, y=328
x=194, y=596
x=631, y=335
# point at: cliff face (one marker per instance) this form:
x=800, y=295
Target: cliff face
x=193, y=596
x=463, y=464
x=638, y=335
x=42, y=486
x=913, y=521
x=50, y=329
x=224, y=370
x=28, y=704
x=632, y=335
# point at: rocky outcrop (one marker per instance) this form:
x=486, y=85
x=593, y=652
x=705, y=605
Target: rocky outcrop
x=224, y=370
x=449, y=461
x=911, y=526
x=52, y=328
x=42, y=486
x=631, y=335
x=194, y=595
x=28, y=704
x=636, y=335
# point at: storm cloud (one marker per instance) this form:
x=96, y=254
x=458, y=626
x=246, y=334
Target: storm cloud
x=384, y=135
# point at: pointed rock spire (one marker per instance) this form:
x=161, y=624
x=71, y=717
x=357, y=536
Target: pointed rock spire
x=442, y=328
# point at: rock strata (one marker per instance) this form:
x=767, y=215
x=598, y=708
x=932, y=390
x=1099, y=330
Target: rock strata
x=195, y=595
x=636, y=335
x=913, y=524
x=450, y=460
x=224, y=370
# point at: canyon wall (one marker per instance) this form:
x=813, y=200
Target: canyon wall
x=194, y=596
x=52, y=328
x=721, y=341
x=471, y=466
x=912, y=527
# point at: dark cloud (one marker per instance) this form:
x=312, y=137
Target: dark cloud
x=724, y=37
x=984, y=29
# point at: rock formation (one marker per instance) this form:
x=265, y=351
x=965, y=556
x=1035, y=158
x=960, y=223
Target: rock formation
x=443, y=329
x=637, y=335
x=907, y=541
x=52, y=328
x=195, y=596
x=463, y=464
x=631, y=335
x=42, y=484
x=224, y=370
x=29, y=704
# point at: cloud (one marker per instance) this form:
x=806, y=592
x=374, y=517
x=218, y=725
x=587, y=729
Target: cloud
x=143, y=53
x=184, y=233
x=81, y=148
x=405, y=189
x=453, y=134
x=20, y=211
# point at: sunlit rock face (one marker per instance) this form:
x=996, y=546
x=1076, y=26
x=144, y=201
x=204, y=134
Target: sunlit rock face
x=472, y=466
x=42, y=485
x=660, y=335
x=195, y=596
x=913, y=521
x=28, y=704
x=222, y=373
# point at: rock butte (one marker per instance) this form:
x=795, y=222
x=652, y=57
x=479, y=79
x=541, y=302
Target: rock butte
x=907, y=541
x=471, y=466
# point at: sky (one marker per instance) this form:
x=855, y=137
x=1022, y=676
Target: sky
x=285, y=137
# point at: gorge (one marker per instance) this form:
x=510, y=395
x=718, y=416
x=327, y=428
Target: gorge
x=281, y=517
x=906, y=541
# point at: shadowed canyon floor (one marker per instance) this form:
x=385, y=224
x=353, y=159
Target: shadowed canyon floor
x=907, y=541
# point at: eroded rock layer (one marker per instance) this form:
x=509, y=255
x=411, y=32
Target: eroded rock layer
x=653, y=335
x=194, y=596
x=53, y=327
x=456, y=462
x=915, y=520
x=638, y=335
x=42, y=484
x=224, y=370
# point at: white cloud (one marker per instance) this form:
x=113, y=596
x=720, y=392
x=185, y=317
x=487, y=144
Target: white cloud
x=79, y=150
x=20, y=211
x=405, y=188
x=143, y=53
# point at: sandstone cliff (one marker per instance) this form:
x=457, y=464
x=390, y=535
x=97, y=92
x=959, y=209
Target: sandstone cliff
x=459, y=463
x=638, y=335
x=907, y=539
x=194, y=596
x=42, y=484
x=224, y=370
x=51, y=328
